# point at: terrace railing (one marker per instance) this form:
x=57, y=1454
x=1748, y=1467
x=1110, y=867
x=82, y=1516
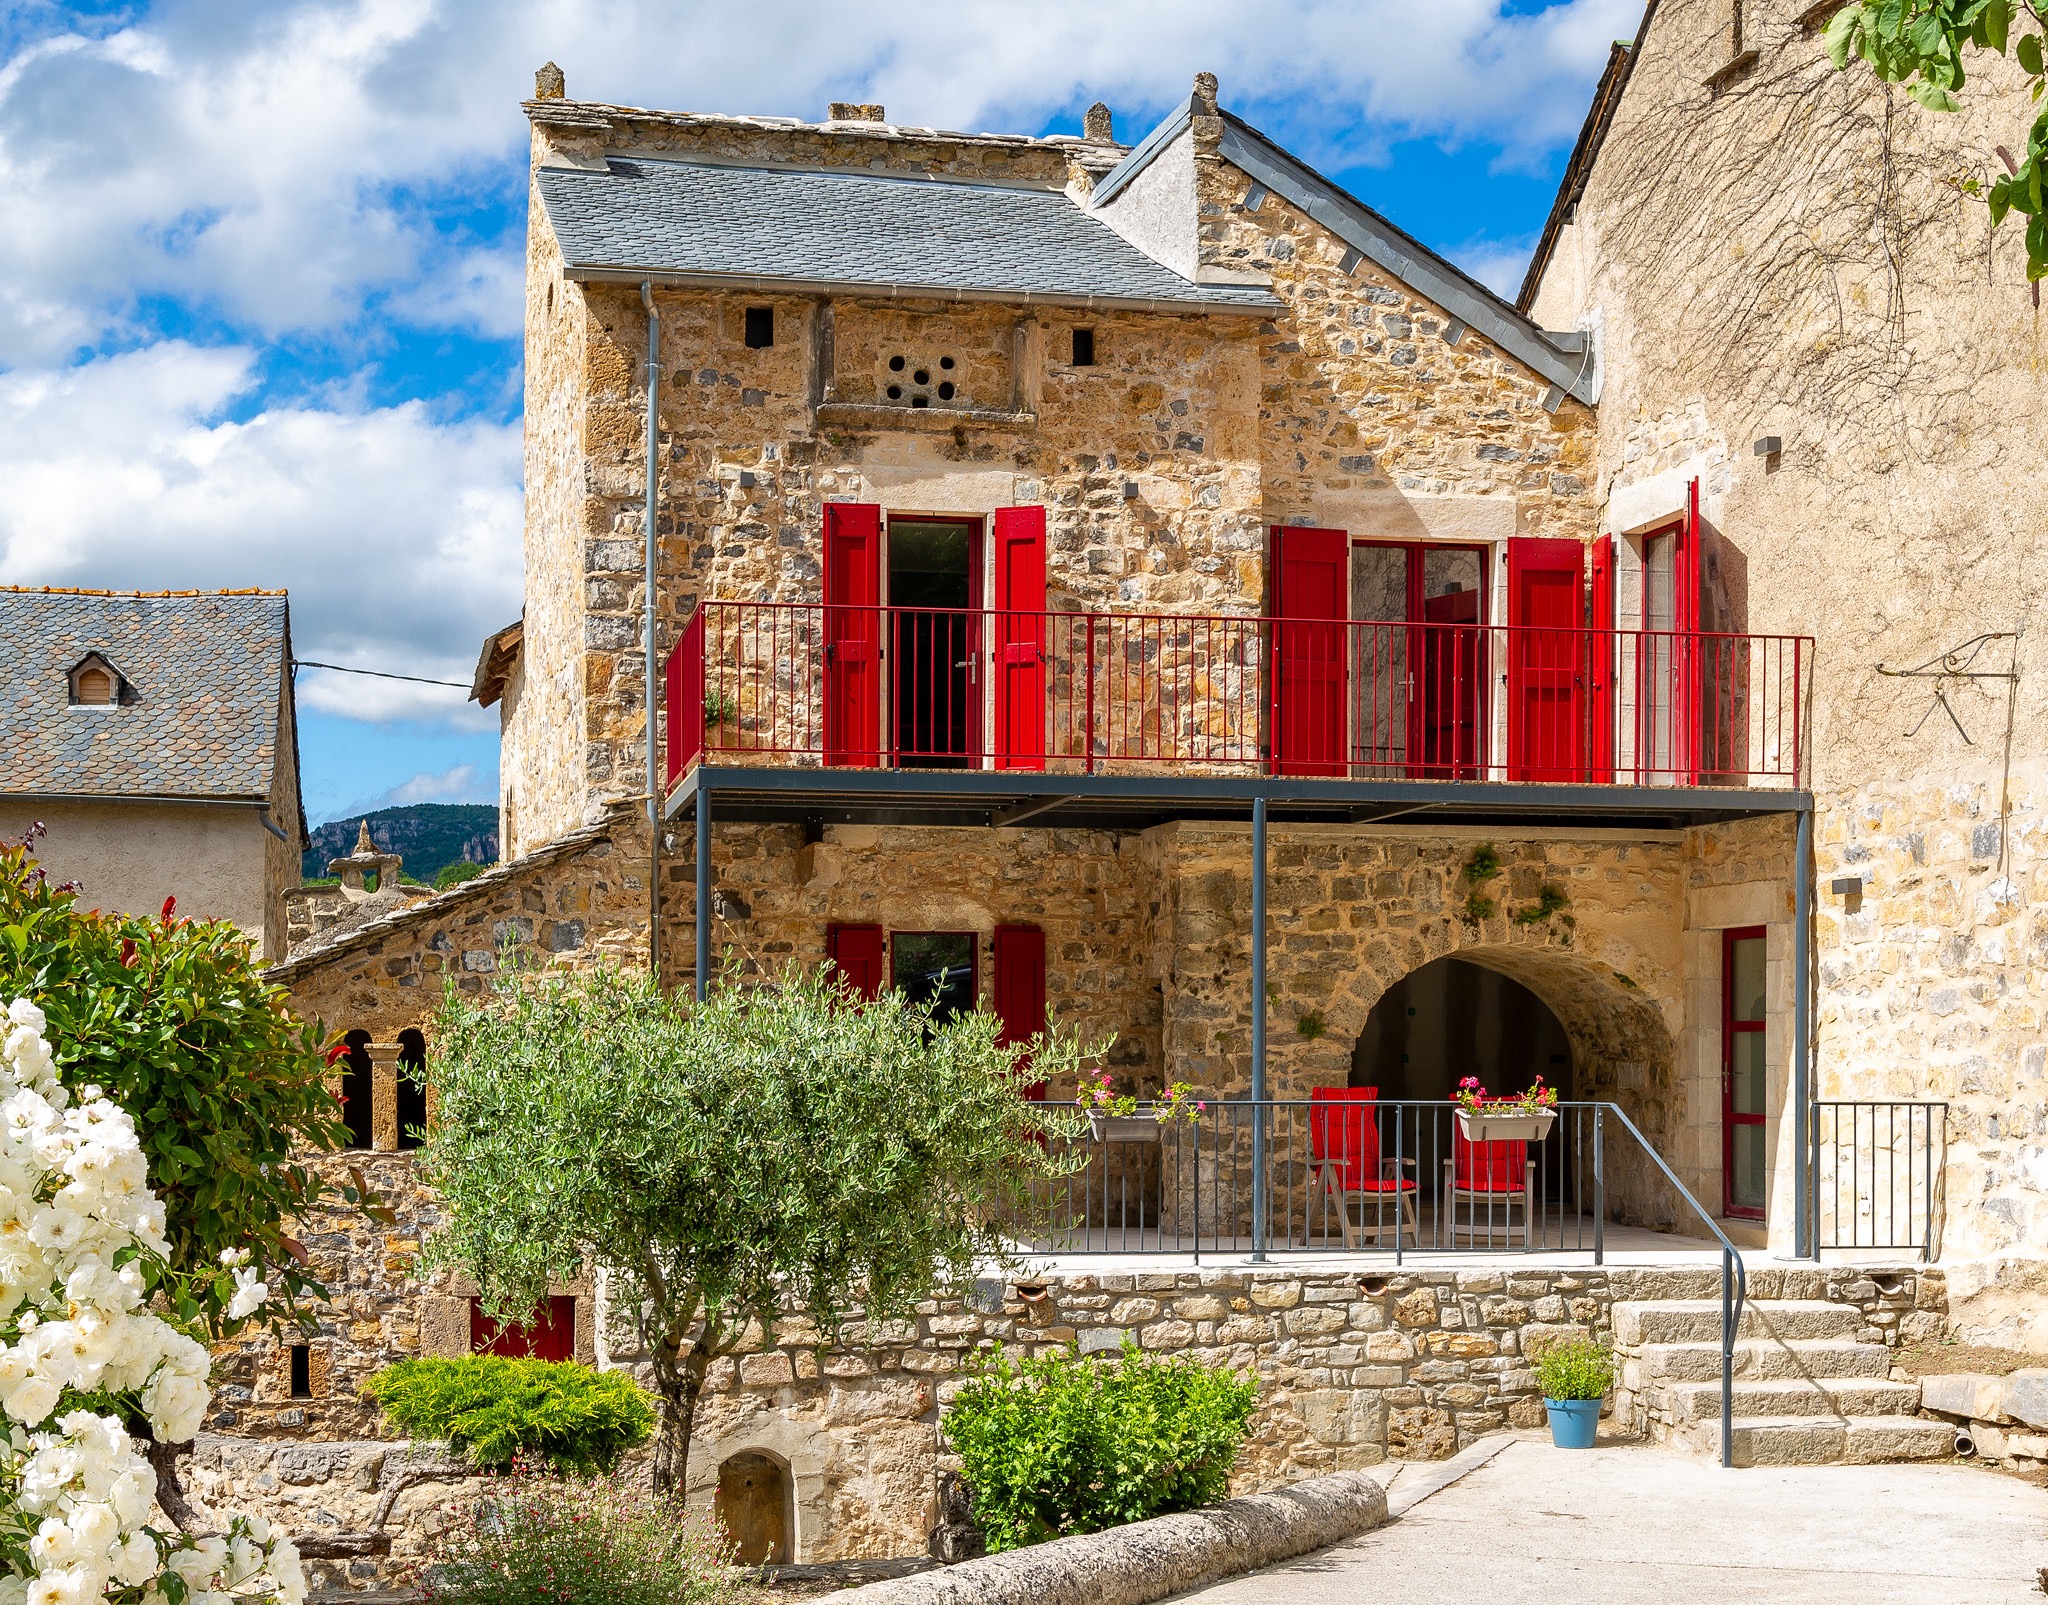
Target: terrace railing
x=1877, y=1174
x=806, y=684
x=1390, y=1177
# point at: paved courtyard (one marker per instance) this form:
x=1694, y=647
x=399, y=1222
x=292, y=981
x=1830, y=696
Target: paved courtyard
x=1629, y=1524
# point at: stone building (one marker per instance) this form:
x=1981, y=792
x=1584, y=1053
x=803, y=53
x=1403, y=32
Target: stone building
x=1139, y=590
x=155, y=736
x=1794, y=306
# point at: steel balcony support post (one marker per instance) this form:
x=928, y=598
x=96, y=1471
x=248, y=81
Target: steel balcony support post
x=1259, y=1198
x=703, y=886
x=1806, y=1112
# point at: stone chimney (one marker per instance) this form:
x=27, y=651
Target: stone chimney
x=1096, y=126
x=1205, y=94
x=548, y=83
x=363, y=862
x=851, y=111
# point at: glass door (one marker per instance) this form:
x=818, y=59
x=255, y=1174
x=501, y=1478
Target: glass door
x=1745, y=1155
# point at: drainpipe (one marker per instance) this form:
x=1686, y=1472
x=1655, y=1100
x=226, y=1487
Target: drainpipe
x=647, y=629
x=1806, y=1149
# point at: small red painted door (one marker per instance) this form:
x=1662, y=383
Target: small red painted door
x=853, y=635
x=1020, y=643
x=1601, y=702
x=1546, y=660
x=1311, y=571
x=1669, y=652
x=856, y=953
x=1745, y=1155
x=1020, y=988
x=1446, y=714
x=552, y=1336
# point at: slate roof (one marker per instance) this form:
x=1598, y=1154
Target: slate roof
x=908, y=236
x=206, y=670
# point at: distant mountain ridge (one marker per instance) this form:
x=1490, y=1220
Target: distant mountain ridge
x=428, y=836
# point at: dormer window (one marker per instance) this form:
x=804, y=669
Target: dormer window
x=95, y=683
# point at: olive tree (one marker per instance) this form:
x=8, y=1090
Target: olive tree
x=726, y=1164
x=1921, y=43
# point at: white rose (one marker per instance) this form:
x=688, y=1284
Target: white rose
x=31, y=1402
x=176, y=1405
x=23, y=1012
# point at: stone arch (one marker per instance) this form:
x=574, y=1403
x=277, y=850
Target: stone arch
x=800, y=1448
x=755, y=1501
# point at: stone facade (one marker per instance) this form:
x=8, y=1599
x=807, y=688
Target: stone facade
x=1782, y=253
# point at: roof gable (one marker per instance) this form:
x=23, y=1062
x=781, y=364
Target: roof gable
x=204, y=681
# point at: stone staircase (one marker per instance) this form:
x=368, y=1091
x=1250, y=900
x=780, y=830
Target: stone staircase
x=1812, y=1387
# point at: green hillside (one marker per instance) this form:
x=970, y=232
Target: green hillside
x=428, y=836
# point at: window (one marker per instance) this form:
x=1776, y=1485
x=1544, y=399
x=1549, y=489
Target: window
x=95, y=684
x=412, y=1087
x=1084, y=348
x=302, y=1371
x=1745, y=1156
x=356, y=1094
x=760, y=327
x=935, y=967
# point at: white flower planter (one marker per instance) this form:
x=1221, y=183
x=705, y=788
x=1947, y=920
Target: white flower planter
x=1488, y=1126
x=1122, y=1128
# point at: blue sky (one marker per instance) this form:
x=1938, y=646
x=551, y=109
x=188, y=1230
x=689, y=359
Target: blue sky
x=259, y=283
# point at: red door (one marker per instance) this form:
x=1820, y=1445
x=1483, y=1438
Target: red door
x=1602, y=706
x=853, y=635
x=1020, y=638
x=856, y=953
x=1020, y=987
x=552, y=1336
x=1745, y=1155
x=1447, y=712
x=1311, y=570
x=1546, y=665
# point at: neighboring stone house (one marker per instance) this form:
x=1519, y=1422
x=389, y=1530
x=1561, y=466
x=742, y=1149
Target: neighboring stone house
x=1793, y=305
x=155, y=736
x=1065, y=549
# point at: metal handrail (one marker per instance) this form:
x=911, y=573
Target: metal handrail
x=1734, y=1281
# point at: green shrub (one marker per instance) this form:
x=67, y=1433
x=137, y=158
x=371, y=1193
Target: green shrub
x=496, y=1411
x=455, y=874
x=1062, y=1444
x=533, y=1538
x=1580, y=1369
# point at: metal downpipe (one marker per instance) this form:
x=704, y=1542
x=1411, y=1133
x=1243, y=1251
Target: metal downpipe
x=647, y=630
x=703, y=887
x=1259, y=1200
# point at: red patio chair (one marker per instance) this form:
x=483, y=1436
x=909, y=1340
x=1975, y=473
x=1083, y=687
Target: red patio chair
x=1489, y=1174
x=1344, y=1153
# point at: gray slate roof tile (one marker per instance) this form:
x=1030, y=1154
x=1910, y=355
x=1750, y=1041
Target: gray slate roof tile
x=207, y=671
x=907, y=234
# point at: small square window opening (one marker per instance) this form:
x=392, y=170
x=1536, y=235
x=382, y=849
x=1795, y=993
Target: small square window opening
x=760, y=327
x=1084, y=348
x=302, y=1371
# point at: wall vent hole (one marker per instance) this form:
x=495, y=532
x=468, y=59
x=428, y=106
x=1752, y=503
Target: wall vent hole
x=895, y=364
x=1372, y=1286
x=946, y=390
x=895, y=392
x=921, y=377
x=920, y=401
x=946, y=362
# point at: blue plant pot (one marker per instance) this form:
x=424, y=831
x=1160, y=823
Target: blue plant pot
x=1573, y=1422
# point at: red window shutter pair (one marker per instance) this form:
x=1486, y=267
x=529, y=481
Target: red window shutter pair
x=552, y=1336
x=856, y=952
x=1311, y=585
x=854, y=636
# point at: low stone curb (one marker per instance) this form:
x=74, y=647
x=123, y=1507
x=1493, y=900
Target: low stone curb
x=1149, y=1560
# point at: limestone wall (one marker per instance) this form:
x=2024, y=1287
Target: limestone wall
x=1788, y=255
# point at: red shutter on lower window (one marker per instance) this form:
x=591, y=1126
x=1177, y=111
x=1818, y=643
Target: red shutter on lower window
x=1020, y=987
x=856, y=951
x=552, y=1336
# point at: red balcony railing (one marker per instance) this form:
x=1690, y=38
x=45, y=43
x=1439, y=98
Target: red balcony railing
x=864, y=687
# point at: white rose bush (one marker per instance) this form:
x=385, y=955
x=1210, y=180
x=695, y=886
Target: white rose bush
x=88, y=1365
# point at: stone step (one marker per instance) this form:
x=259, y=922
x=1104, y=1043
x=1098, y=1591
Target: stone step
x=1843, y=1398
x=1822, y=1441
x=1761, y=1359
x=1699, y=1321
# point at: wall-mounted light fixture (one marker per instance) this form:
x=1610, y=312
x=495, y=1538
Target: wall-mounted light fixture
x=1768, y=446
x=1130, y=490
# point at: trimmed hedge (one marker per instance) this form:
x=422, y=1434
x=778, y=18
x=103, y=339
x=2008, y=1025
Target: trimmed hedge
x=1061, y=1444
x=495, y=1411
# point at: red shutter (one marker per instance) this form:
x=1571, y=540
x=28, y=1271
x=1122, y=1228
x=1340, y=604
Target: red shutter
x=853, y=635
x=1603, y=706
x=1546, y=660
x=1020, y=987
x=552, y=1336
x=1311, y=574
x=1688, y=650
x=856, y=950
x=1020, y=638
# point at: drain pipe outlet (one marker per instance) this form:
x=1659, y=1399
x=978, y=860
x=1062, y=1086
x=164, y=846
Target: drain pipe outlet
x=647, y=627
x=1966, y=1445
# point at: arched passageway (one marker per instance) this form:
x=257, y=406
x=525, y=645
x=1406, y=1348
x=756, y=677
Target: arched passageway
x=1451, y=1019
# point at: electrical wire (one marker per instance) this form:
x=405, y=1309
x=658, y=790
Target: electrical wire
x=381, y=674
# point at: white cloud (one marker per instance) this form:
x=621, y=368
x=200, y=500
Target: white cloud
x=456, y=785
x=1497, y=264
x=397, y=535
x=275, y=165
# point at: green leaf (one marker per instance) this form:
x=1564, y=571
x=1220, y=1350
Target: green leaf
x=1932, y=96
x=1840, y=38
x=2029, y=54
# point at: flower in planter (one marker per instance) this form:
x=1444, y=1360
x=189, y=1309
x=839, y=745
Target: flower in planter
x=1098, y=1095
x=1475, y=1099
